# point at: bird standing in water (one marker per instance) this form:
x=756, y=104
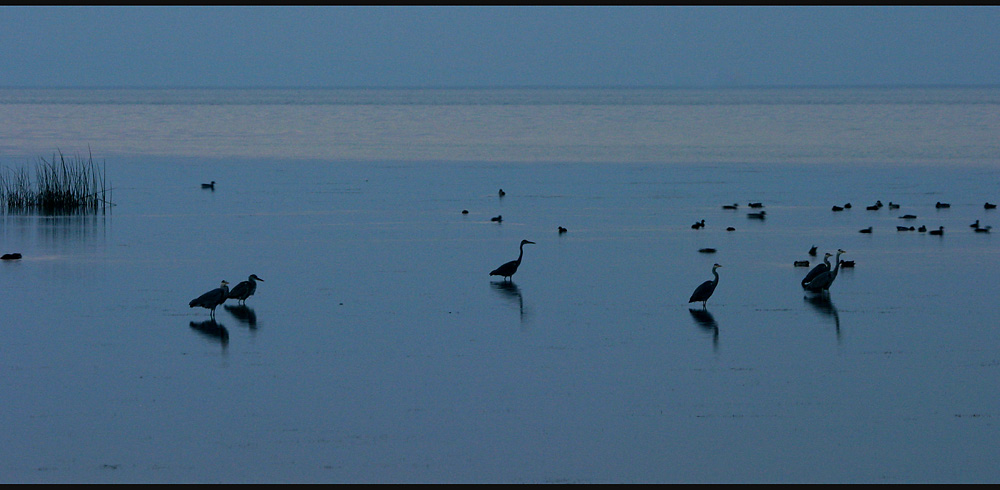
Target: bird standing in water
x=824, y=280
x=819, y=269
x=245, y=289
x=213, y=298
x=705, y=289
x=510, y=268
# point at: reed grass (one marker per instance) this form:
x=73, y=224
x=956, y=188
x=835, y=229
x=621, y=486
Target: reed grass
x=59, y=186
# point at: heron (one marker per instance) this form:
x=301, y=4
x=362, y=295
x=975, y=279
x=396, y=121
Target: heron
x=508, y=269
x=208, y=186
x=819, y=269
x=824, y=280
x=213, y=298
x=705, y=289
x=245, y=289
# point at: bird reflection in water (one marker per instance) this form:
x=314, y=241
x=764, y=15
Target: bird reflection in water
x=212, y=330
x=706, y=321
x=244, y=314
x=824, y=305
x=510, y=290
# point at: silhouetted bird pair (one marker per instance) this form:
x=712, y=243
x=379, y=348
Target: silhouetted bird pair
x=219, y=295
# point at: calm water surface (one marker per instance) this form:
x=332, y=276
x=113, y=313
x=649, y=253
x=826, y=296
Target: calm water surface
x=379, y=350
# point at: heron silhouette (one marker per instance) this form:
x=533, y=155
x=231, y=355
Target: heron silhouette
x=245, y=289
x=213, y=298
x=508, y=269
x=819, y=269
x=824, y=280
x=705, y=289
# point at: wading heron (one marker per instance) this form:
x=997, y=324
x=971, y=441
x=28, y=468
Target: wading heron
x=245, y=289
x=705, y=289
x=510, y=268
x=213, y=298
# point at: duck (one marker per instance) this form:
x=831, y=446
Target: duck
x=922, y=229
x=989, y=205
x=755, y=205
x=209, y=186
x=908, y=216
x=698, y=224
x=939, y=231
x=940, y=205
x=801, y=263
x=974, y=225
x=866, y=230
x=707, y=250
x=759, y=215
x=838, y=208
x=905, y=228
x=730, y=206
x=497, y=218
x=561, y=230
x=893, y=206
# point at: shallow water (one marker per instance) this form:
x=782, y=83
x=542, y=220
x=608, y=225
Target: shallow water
x=378, y=349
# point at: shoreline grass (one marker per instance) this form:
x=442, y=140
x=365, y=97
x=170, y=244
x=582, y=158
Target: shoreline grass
x=60, y=186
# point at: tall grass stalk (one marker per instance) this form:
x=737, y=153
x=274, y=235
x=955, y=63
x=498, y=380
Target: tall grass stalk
x=60, y=186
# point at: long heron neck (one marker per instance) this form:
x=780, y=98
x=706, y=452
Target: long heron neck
x=520, y=254
x=837, y=267
x=826, y=260
x=716, y=274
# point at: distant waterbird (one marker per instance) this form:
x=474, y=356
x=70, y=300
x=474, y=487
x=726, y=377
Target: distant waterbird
x=705, y=289
x=837, y=208
x=922, y=229
x=497, y=219
x=974, y=225
x=812, y=250
x=11, y=256
x=501, y=193
x=866, y=230
x=754, y=205
x=989, y=205
x=245, y=289
x=940, y=205
x=905, y=228
x=698, y=224
x=908, y=216
x=213, y=298
x=759, y=215
x=209, y=186
x=561, y=230
x=939, y=231
x=847, y=264
x=730, y=206
x=893, y=206
x=707, y=250
x=730, y=228
x=984, y=229
x=801, y=263
x=847, y=206
x=507, y=270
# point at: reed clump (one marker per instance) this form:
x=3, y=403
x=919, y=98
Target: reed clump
x=60, y=186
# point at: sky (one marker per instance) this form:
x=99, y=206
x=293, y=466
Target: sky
x=334, y=46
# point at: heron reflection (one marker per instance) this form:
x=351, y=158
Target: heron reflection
x=212, y=330
x=510, y=290
x=706, y=321
x=824, y=305
x=244, y=314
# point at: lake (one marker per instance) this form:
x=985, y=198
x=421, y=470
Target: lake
x=379, y=350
